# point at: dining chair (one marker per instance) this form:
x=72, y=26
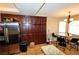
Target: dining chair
x=74, y=43
x=62, y=42
x=54, y=35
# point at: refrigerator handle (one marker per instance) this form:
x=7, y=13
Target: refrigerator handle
x=6, y=35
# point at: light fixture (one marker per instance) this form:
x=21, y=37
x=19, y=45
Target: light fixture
x=69, y=19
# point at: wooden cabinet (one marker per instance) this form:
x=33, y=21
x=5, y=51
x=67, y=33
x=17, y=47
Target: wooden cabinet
x=3, y=49
x=35, y=31
x=9, y=49
x=13, y=48
x=13, y=18
x=0, y=17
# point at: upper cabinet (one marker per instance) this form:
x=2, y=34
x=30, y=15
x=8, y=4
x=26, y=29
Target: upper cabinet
x=11, y=18
x=0, y=17
x=36, y=20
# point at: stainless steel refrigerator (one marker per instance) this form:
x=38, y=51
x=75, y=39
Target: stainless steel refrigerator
x=11, y=32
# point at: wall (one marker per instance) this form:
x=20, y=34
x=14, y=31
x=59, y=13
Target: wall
x=76, y=17
x=52, y=25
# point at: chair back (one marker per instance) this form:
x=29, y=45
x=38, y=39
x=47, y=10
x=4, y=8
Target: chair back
x=61, y=39
x=74, y=40
x=53, y=34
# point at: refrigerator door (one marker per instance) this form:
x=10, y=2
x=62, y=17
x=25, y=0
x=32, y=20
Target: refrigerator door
x=12, y=32
x=2, y=33
x=13, y=28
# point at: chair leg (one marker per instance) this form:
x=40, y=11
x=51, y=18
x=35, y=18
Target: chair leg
x=70, y=47
x=56, y=44
x=77, y=47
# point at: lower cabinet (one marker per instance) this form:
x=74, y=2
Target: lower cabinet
x=13, y=48
x=3, y=50
x=9, y=49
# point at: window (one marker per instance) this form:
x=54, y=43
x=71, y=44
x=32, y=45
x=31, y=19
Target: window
x=74, y=27
x=62, y=27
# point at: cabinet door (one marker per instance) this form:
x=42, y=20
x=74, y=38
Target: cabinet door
x=43, y=21
x=0, y=17
x=15, y=18
x=3, y=50
x=38, y=20
x=36, y=39
x=24, y=29
x=13, y=48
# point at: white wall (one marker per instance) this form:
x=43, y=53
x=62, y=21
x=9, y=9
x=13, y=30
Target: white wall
x=52, y=25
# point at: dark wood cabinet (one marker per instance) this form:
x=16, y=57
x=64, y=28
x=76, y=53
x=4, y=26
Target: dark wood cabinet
x=9, y=49
x=13, y=48
x=35, y=31
x=12, y=18
x=3, y=49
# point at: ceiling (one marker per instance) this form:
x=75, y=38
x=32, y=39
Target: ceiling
x=40, y=9
x=8, y=8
